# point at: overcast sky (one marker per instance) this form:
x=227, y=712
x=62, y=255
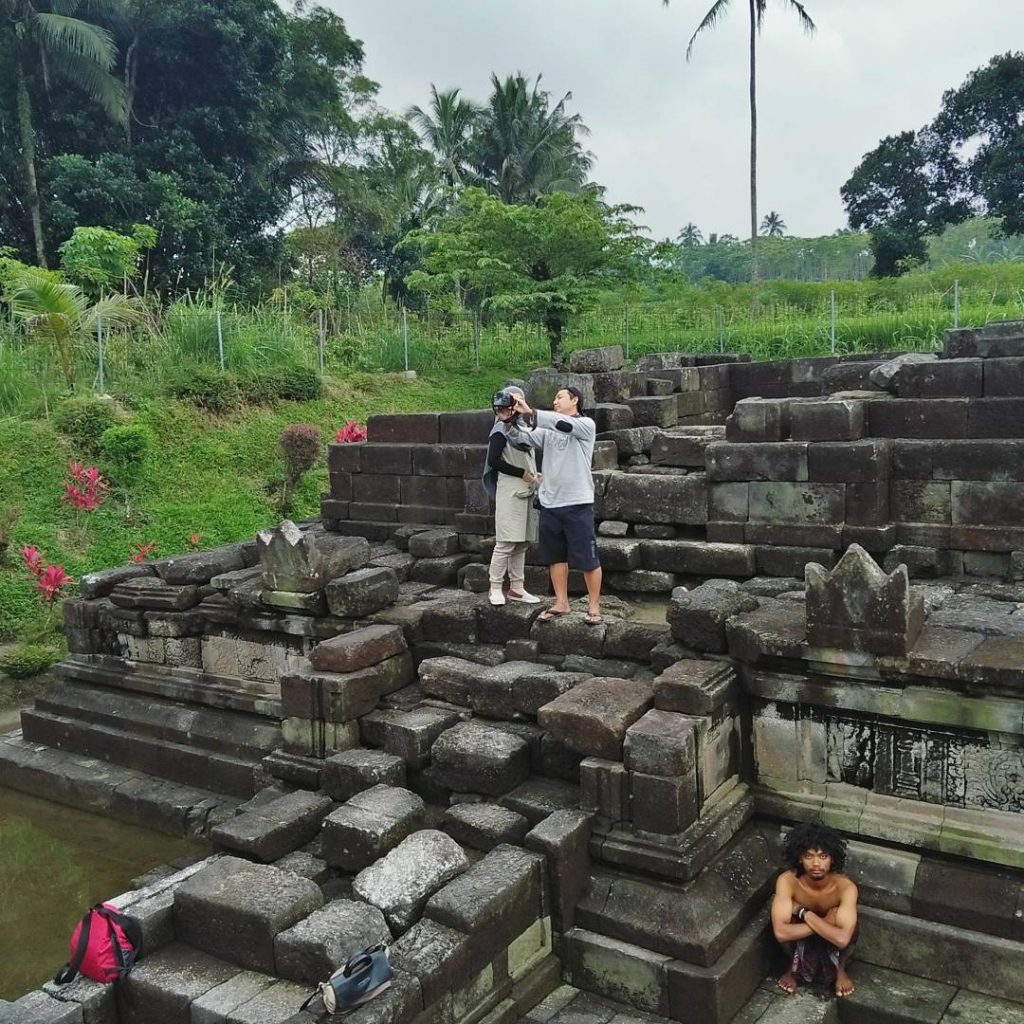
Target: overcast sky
x=672, y=136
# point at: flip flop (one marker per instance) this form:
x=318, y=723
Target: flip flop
x=548, y=614
x=593, y=620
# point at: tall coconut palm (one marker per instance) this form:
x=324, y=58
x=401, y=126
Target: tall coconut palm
x=45, y=34
x=690, y=237
x=525, y=147
x=773, y=226
x=756, y=9
x=61, y=316
x=447, y=129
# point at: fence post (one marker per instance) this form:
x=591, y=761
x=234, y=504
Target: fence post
x=832, y=332
x=956, y=302
x=321, y=336
x=220, y=340
x=721, y=329
x=99, y=352
x=476, y=338
x=405, y=337
x=625, y=326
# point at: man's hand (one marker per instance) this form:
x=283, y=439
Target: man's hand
x=528, y=478
x=520, y=406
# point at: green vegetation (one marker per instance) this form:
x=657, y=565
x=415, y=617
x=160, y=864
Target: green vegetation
x=201, y=476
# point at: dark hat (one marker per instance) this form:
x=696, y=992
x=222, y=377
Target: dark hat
x=502, y=400
x=577, y=394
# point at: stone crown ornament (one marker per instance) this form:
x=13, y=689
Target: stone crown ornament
x=858, y=607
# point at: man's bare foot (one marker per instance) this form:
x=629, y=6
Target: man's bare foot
x=844, y=984
x=789, y=984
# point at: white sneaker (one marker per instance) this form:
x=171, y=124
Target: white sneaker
x=496, y=596
x=523, y=596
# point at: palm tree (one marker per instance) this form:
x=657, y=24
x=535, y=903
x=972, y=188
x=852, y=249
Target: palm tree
x=756, y=10
x=690, y=237
x=526, y=148
x=773, y=226
x=60, y=314
x=447, y=129
x=60, y=44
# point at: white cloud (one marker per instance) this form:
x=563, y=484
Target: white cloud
x=672, y=136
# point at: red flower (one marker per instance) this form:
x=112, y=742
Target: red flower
x=51, y=581
x=140, y=552
x=33, y=559
x=351, y=432
x=87, y=489
x=194, y=539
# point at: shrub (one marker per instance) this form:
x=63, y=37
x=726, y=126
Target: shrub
x=9, y=517
x=301, y=446
x=27, y=660
x=260, y=388
x=83, y=421
x=298, y=383
x=206, y=388
x=124, y=450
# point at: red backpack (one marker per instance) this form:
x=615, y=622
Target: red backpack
x=104, y=945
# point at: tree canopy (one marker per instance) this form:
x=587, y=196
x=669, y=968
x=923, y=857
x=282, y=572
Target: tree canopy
x=543, y=261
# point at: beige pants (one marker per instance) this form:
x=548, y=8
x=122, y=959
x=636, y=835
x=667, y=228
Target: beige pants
x=509, y=557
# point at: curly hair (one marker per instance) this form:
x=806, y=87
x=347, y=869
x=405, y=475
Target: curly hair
x=813, y=835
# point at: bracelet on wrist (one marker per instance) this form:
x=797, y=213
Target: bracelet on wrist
x=800, y=913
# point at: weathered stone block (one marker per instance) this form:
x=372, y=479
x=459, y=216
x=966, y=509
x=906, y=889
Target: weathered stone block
x=758, y=419
x=918, y=417
x=728, y=503
x=234, y=909
x=368, y=825
x=656, y=499
x=628, y=638
x=352, y=771
x=484, y=826
x=435, y=955
x=434, y=544
x=1002, y=338
x=542, y=385
x=618, y=970
x=730, y=462
x=832, y=420
x=698, y=558
x=684, y=446
x=400, y=883
x=271, y=830
x=144, y=592
x=940, y=378
x=597, y=360
x=359, y=593
x=593, y=717
x=697, y=617
x=611, y=417
x=663, y=806
x=303, y=562
x=450, y=679
x=695, y=687
x=493, y=902
x=476, y=758
x=343, y=696
x=531, y=692
x=404, y=428
x=317, y=946
x=359, y=649
x=654, y=410
x=407, y=734
x=200, y=567
x=661, y=743
x=810, y=503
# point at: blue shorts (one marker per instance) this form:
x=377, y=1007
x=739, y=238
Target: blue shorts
x=567, y=535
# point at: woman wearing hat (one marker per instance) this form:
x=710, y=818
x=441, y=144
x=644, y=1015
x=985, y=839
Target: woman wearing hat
x=510, y=478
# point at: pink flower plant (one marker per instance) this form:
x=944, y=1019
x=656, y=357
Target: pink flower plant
x=194, y=540
x=86, y=490
x=51, y=581
x=351, y=432
x=140, y=552
x=33, y=559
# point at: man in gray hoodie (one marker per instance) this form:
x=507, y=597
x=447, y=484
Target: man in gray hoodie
x=566, y=496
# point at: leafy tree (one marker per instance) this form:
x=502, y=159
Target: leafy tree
x=899, y=193
x=99, y=259
x=525, y=147
x=757, y=10
x=45, y=39
x=773, y=226
x=979, y=140
x=447, y=128
x=690, y=237
x=61, y=316
x=542, y=262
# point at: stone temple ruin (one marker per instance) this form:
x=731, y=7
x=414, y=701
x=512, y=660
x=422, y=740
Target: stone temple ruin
x=376, y=752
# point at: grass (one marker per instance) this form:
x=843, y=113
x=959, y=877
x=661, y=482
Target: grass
x=205, y=475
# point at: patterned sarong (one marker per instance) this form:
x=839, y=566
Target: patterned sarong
x=814, y=959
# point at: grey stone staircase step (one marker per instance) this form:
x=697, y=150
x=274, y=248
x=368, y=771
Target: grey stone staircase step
x=972, y=1008
x=883, y=996
x=187, y=685
x=222, y=773
x=939, y=952
x=695, y=921
x=110, y=789
x=229, y=732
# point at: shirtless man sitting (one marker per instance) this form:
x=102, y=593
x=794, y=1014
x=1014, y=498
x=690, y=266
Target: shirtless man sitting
x=814, y=911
